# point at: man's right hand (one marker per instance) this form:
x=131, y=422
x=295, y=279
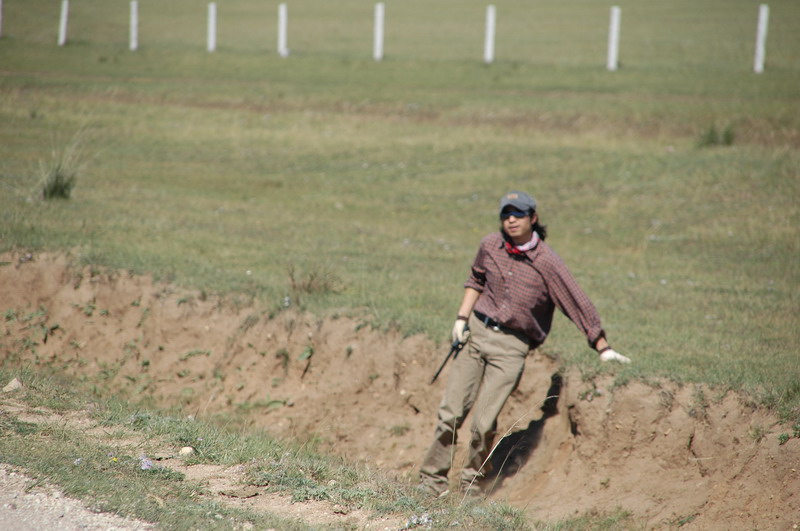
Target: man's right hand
x=460, y=331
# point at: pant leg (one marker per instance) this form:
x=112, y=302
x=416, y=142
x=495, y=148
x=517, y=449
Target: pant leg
x=504, y=358
x=463, y=383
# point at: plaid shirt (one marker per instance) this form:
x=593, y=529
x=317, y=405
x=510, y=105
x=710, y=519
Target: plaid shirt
x=521, y=292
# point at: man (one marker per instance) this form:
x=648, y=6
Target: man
x=510, y=297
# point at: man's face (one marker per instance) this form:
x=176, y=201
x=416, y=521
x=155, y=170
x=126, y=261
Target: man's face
x=518, y=224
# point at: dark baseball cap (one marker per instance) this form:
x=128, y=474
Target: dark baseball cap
x=518, y=200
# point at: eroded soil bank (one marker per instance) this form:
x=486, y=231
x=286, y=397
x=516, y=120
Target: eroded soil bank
x=672, y=455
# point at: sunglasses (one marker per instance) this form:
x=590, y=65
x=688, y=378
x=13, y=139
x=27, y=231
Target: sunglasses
x=516, y=213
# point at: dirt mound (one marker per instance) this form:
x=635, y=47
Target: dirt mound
x=671, y=455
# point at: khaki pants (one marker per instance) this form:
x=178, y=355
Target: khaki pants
x=482, y=377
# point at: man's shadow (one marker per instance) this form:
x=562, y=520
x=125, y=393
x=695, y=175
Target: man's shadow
x=514, y=450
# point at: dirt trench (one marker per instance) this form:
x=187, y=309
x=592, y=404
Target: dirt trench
x=671, y=455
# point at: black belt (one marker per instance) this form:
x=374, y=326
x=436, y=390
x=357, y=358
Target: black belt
x=491, y=323
x=497, y=327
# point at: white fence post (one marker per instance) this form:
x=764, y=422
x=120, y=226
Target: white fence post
x=283, y=17
x=134, y=40
x=62, y=23
x=488, y=45
x=212, y=26
x=761, y=38
x=377, y=48
x=613, y=39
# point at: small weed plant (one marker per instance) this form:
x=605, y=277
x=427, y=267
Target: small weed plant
x=59, y=180
x=317, y=281
x=59, y=175
x=712, y=137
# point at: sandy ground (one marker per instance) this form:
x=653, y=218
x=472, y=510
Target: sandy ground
x=27, y=506
x=673, y=456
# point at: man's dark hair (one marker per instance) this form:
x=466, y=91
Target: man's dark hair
x=540, y=229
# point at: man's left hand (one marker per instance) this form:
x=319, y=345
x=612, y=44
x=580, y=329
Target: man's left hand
x=613, y=355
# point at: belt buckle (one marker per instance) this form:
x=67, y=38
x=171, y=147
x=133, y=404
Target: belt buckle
x=487, y=321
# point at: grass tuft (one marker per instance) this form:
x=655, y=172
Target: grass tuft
x=59, y=180
x=317, y=281
x=60, y=174
x=711, y=137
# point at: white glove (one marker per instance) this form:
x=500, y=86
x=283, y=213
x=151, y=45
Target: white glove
x=460, y=331
x=613, y=355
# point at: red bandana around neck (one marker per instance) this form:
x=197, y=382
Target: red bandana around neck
x=522, y=249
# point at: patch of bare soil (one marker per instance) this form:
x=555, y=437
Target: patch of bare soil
x=672, y=455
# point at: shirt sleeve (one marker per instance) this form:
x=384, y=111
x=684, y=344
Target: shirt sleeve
x=572, y=301
x=477, y=276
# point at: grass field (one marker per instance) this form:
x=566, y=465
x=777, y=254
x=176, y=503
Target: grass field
x=353, y=186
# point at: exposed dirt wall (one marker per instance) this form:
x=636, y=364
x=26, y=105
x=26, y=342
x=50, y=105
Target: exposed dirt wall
x=671, y=455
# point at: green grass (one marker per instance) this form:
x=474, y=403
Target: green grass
x=347, y=185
